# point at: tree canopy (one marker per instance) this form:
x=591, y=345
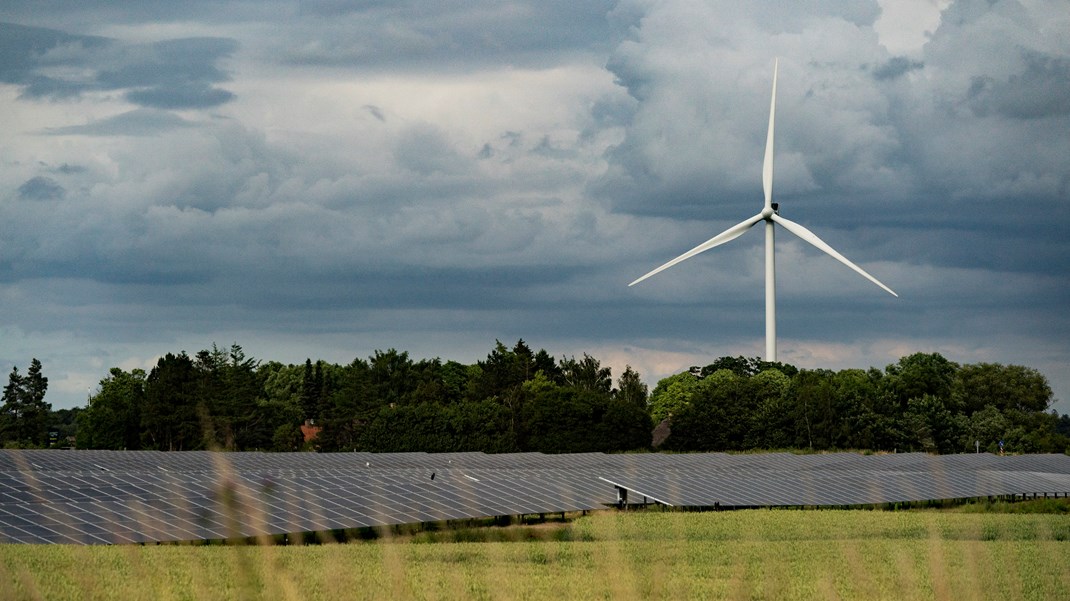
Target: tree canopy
x=518, y=399
x=24, y=414
x=923, y=402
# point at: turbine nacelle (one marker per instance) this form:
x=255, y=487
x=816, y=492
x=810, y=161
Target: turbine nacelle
x=771, y=216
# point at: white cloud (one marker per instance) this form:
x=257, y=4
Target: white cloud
x=430, y=189
x=906, y=25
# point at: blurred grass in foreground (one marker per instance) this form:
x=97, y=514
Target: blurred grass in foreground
x=758, y=554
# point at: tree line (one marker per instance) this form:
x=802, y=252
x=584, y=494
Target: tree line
x=923, y=402
x=518, y=399
x=515, y=400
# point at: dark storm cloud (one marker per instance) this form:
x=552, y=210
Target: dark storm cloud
x=1040, y=89
x=375, y=35
x=425, y=150
x=173, y=74
x=409, y=286
x=180, y=96
x=895, y=67
x=25, y=51
x=168, y=74
x=41, y=188
x=89, y=13
x=139, y=122
x=423, y=33
x=68, y=169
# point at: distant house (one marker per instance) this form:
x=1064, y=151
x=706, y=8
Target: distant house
x=309, y=430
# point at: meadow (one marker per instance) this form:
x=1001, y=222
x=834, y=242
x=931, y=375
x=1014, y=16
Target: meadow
x=753, y=554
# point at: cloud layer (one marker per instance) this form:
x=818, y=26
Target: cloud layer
x=326, y=179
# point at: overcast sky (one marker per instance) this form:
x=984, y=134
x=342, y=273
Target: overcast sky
x=324, y=179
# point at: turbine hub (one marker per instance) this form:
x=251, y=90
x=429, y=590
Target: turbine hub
x=767, y=213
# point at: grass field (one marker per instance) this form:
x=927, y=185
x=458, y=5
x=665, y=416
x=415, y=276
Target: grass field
x=759, y=554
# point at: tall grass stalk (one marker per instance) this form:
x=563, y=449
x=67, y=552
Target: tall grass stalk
x=759, y=554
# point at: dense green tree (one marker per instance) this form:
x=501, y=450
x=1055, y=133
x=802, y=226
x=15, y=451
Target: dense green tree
x=280, y=404
x=454, y=381
x=310, y=394
x=11, y=410
x=352, y=406
x=502, y=373
x=437, y=428
x=227, y=398
x=920, y=374
x=706, y=422
x=545, y=363
x=63, y=427
x=287, y=438
x=587, y=374
x=37, y=409
x=282, y=383
x=623, y=426
x=870, y=415
x=1060, y=437
x=932, y=427
x=985, y=428
x=922, y=402
x=631, y=389
x=426, y=383
x=407, y=428
x=567, y=419
x=24, y=414
x=1062, y=424
x=738, y=403
x=671, y=395
x=741, y=366
x=113, y=418
x=170, y=417
x=1033, y=432
x=1006, y=387
x=519, y=400
x=812, y=397
x=482, y=426
x=391, y=376
x=747, y=366
x=770, y=423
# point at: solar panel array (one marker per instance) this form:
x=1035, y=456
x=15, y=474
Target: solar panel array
x=109, y=497
x=845, y=479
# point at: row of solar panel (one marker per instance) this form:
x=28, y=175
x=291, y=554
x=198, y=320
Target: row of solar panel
x=141, y=496
x=835, y=488
x=37, y=460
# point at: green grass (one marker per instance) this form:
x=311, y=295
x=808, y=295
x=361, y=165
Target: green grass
x=1057, y=506
x=759, y=554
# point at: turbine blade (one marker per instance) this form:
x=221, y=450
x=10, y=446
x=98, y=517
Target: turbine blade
x=767, y=167
x=730, y=234
x=810, y=237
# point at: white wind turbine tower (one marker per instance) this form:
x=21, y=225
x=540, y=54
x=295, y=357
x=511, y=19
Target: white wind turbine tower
x=770, y=216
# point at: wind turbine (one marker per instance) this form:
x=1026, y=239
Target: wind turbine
x=770, y=215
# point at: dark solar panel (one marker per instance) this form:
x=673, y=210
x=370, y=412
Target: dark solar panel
x=842, y=479
x=114, y=497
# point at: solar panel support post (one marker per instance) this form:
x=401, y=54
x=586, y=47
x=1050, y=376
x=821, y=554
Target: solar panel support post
x=622, y=497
